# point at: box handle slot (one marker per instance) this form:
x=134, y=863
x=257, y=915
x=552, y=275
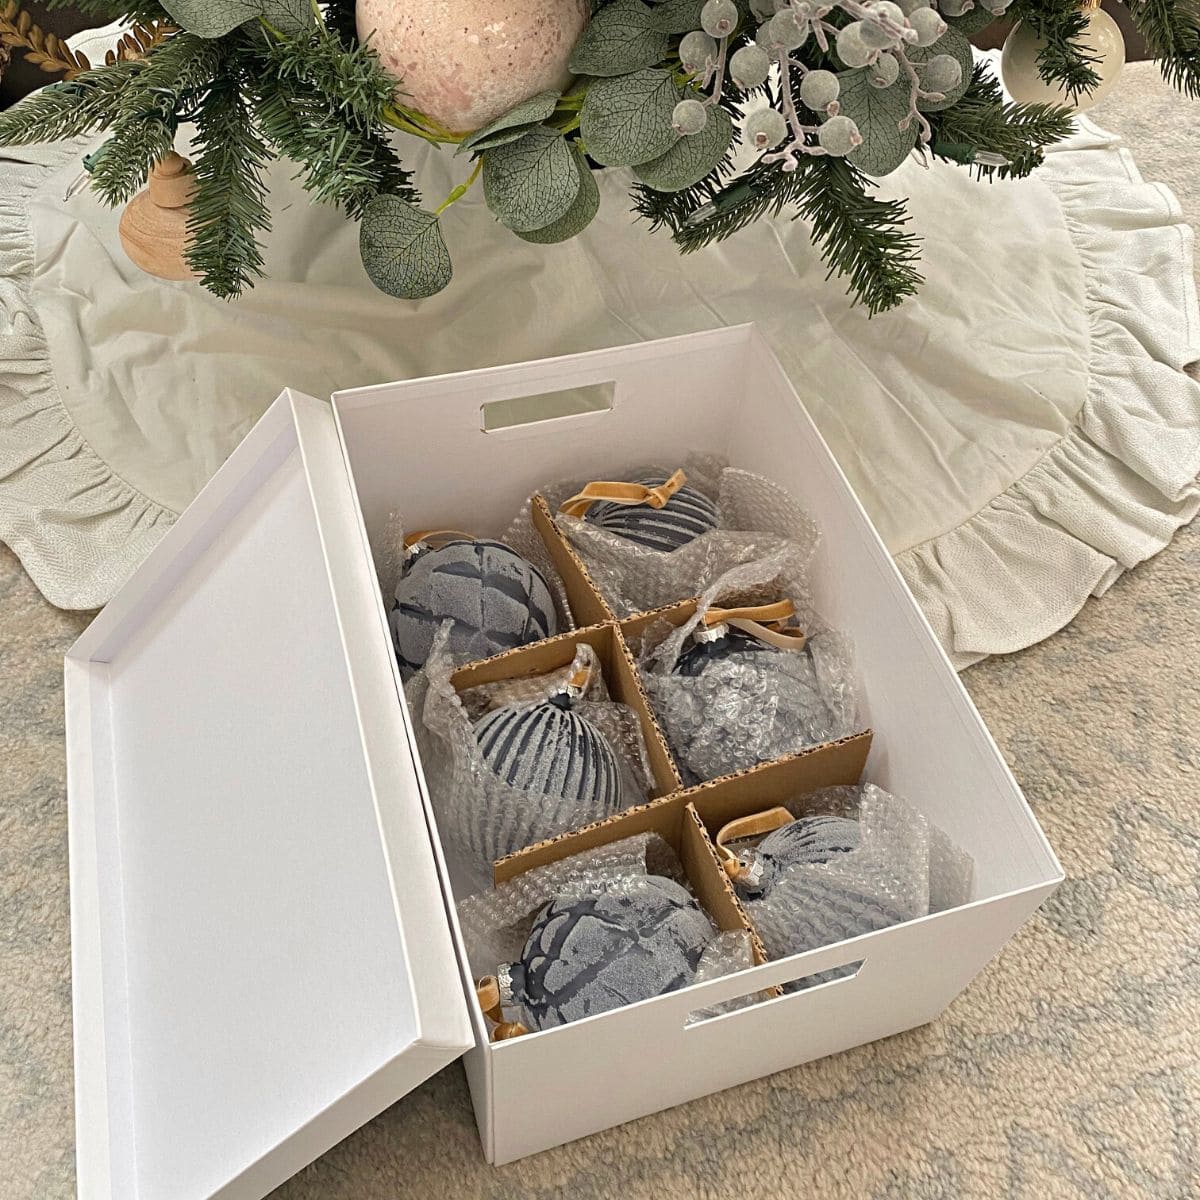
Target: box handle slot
x=829, y=977
x=588, y=401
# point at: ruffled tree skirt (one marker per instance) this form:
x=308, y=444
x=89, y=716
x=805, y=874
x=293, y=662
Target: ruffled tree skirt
x=1021, y=433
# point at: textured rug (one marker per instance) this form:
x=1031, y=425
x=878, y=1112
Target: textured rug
x=1068, y=1069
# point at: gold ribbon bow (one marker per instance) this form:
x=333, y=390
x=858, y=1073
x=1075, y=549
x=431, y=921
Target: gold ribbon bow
x=763, y=621
x=754, y=825
x=614, y=492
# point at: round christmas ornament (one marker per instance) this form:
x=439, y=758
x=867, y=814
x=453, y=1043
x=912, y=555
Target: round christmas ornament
x=496, y=599
x=745, y=691
x=1103, y=43
x=628, y=941
x=549, y=750
x=793, y=842
x=463, y=63
x=660, y=512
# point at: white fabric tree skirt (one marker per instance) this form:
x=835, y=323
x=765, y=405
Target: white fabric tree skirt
x=1021, y=432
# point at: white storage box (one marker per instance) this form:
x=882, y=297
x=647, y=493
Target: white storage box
x=265, y=948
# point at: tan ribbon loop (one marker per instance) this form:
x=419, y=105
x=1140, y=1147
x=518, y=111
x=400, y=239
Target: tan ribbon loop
x=487, y=990
x=436, y=536
x=754, y=825
x=762, y=621
x=615, y=492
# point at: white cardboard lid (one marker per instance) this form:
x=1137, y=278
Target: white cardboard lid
x=262, y=956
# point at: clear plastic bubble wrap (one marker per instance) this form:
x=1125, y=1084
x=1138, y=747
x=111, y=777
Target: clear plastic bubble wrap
x=757, y=519
x=895, y=866
x=595, y=931
x=482, y=816
x=748, y=708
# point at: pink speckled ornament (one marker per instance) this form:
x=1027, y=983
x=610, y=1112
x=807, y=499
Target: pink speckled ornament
x=465, y=62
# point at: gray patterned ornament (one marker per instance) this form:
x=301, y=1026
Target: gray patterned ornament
x=631, y=940
x=684, y=517
x=808, y=840
x=496, y=599
x=732, y=701
x=549, y=750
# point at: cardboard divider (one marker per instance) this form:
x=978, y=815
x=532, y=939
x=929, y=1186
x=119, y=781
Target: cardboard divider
x=588, y=605
x=759, y=787
x=620, y=676
x=682, y=828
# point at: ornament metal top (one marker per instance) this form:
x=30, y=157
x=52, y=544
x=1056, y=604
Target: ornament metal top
x=727, y=111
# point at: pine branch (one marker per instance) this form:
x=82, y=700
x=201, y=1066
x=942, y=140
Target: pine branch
x=149, y=111
x=1172, y=32
x=90, y=101
x=229, y=210
x=1062, y=60
x=982, y=122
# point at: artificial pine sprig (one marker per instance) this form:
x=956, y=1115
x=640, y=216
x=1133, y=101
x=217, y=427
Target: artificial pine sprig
x=90, y=101
x=1063, y=59
x=1172, y=32
x=229, y=212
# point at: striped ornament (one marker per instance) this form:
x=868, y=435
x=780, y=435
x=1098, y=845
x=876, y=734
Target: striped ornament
x=548, y=750
x=585, y=955
x=496, y=599
x=809, y=840
x=687, y=515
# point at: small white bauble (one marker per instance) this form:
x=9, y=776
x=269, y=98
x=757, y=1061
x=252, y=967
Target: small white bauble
x=1019, y=68
x=465, y=62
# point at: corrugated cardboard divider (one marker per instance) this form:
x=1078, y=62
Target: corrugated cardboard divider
x=620, y=675
x=587, y=603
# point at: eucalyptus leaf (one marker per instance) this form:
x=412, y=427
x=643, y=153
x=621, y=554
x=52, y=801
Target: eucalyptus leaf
x=877, y=112
x=527, y=114
x=530, y=183
x=953, y=43
x=578, y=217
x=402, y=249
x=691, y=158
x=627, y=120
x=216, y=18
x=678, y=16
x=972, y=21
x=620, y=38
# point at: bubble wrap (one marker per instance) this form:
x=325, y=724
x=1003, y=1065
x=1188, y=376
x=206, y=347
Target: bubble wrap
x=481, y=816
x=748, y=709
x=758, y=520
x=557, y=933
x=901, y=868
x=389, y=553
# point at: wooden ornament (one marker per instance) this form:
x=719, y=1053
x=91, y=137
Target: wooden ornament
x=153, y=227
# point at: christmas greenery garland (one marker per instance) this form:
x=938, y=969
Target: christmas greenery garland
x=724, y=110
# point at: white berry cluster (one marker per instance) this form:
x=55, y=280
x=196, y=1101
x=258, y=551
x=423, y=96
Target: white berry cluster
x=877, y=40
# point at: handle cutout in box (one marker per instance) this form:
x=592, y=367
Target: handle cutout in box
x=590, y=400
x=826, y=978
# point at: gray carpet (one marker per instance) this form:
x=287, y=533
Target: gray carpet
x=1068, y=1069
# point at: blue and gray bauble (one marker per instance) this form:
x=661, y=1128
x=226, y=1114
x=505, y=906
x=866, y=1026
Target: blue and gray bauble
x=732, y=701
x=808, y=840
x=548, y=750
x=629, y=941
x=496, y=599
x=684, y=517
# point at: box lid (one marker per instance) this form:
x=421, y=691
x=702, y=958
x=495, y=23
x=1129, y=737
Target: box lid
x=262, y=955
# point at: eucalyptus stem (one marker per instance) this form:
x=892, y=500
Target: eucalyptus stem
x=460, y=191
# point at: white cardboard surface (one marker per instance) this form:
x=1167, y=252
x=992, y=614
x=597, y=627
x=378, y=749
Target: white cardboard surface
x=248, y=987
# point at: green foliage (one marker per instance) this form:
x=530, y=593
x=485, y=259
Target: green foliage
x=532, y=182
x=1063, y=60
x=691, y=158
x=1172, y=31
x=229, y=211
x=878, y=113
x=215, y=18
x=579, y=216
x=982, y=121
x=402, y=249
x=621, y=38
x=513, y=124
x=953, y=43
x=627, y=120
x=90, y=101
